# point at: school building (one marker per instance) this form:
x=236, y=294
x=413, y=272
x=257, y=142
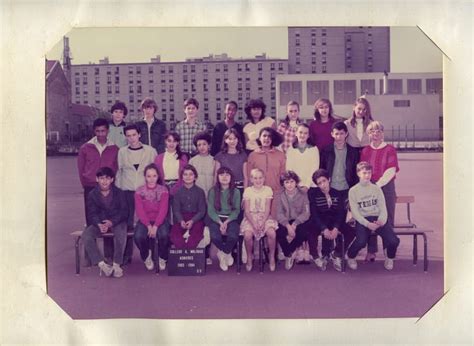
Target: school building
x=212, y=80
x=348, y=49
x=408, y=104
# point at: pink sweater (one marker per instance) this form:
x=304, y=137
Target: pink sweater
x=151, y=204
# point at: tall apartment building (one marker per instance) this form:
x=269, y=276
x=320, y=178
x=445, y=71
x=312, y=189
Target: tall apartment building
x=338, y=49
x=212, y=80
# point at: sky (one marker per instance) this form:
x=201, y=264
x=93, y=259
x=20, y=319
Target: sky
x=410, y=49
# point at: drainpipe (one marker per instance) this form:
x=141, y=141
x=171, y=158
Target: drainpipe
x=385, y=83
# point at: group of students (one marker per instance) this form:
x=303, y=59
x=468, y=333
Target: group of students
x=289, y=184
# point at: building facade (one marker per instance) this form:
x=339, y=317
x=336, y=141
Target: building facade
x=212, y=80
x=338, y=49
x=58, y=99
x=404, y=102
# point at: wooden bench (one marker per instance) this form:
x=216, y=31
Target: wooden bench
x=407, y=200
x=77, y=240
x=415, y=233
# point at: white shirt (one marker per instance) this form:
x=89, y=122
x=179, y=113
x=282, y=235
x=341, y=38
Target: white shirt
x=171, y=166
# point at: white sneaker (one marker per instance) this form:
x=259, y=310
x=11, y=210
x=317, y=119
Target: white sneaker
x=299, y=255
x=161, y=263
x=321, y=263
x=281, y=255
x=289, y=262
x=337, y=263
x=229, y=259
x=352, y=263
x=149, y=262
x=222, y=260
x=307, y=257
x=105, y=268
x=388, y=264
x=244, y=254
x=118, y=272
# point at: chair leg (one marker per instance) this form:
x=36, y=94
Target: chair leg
x=425, y=252
x=78, y=256
x=415, y=249
x=343, y=257
x=260, y=254
x=157, y=256
x=239, y=253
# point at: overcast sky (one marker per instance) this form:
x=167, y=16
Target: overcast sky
x=410, y=49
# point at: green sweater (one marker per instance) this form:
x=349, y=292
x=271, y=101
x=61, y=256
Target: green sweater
x=225, y=207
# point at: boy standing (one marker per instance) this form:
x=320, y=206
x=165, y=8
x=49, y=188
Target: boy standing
x=152, y=129
x=98, y=152
x=132, y=160
x=368, y=208
x=189, y=127
x=107, y=210
x=117, y=124
x=340, y=160
x=223, y=126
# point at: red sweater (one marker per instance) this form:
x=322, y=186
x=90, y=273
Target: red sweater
x=90, y=160
x=151, y=204
x=380, y=159
x=320, y=133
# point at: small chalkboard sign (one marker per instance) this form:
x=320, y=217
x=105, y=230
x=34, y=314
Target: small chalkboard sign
x=186, y=262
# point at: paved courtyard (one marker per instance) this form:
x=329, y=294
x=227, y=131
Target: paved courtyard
x=207, y=297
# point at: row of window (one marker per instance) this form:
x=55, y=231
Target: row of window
x=248, y=67
x=345, y=90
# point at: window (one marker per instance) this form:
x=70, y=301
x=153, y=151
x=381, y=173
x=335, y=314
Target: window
x=130, y=70
x=290, y=91
x=96, y=71
x=109, y=89
x=77, y=80
x=84, y=80
x=170, y=69
x=150, y=69
x=414, y=86
x=367, y=86
x=117, y=79
x=109, y=79
x=317, y=89
x=97, y=90
x=185, y=68
x=139, y=89
x=117, y=70
x=260, y=66
x=401, y=103
x=139, y=70
x=130, y=89
x=226, y=68
x=394, y=86
x=117, y=89
x=272, y=66
x=344, y=92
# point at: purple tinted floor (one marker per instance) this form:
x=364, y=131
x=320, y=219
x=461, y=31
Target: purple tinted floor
x=304, y=292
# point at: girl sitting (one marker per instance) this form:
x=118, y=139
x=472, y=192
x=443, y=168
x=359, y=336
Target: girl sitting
x=189, y=209
x=223, y=211
x=257, y=221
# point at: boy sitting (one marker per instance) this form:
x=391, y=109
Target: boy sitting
x=368, y=208
x=108, y=211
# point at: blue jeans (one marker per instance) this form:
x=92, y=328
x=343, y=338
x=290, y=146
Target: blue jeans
x=145, y=243
x=389, y=239
x=232, y=236
x=92, y=232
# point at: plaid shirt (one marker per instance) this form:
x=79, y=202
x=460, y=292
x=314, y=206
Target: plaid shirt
x=288, y=134
x=186, y=133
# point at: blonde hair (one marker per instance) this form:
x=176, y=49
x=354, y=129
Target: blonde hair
x=255, y=170
x=374, y=125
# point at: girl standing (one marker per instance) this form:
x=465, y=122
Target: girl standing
x=269, y=160
x=151, y=205
x=302, y=157
x=288, y=127
x=171, y=163
x=357, y=124
x=257, y=220
x=204, y=163
x=233, y=156
x=255, y=110
x=320, y=127
x=223, y=211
